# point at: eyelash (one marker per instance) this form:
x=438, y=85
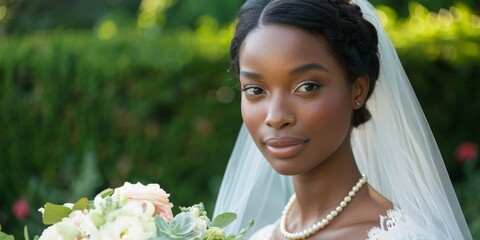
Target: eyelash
x=314, y=84
x=255, y=88
x=252, y=87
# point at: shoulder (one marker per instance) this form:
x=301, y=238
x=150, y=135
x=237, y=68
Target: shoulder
x=396, y=225
x=363, y=216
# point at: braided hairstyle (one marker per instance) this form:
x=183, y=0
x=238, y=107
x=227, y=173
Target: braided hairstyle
x=352, y=39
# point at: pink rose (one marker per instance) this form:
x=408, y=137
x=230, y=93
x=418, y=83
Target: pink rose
x=466, y=151
x=21, y=209
x=151, y=193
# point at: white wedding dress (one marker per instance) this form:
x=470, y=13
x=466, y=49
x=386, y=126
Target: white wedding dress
x=395, y=226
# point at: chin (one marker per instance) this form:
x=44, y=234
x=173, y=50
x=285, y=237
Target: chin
x=286, y=167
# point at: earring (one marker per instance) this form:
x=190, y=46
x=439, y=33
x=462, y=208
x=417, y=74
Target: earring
x=358, y=104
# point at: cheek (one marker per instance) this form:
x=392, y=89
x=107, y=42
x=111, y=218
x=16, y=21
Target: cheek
x=332, y=115
x=252, y=116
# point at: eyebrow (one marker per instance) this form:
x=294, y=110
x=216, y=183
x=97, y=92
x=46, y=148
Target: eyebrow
x=308, y=67
x=298, y=70
x=251, y=75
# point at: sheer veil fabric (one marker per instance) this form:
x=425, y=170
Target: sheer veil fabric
x=395, y=149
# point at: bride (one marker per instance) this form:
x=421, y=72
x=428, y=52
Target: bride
x=334, y=143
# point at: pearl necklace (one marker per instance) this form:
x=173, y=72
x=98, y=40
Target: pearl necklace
x=322, y=223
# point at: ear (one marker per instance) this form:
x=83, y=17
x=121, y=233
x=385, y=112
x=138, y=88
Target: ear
x=360, y=90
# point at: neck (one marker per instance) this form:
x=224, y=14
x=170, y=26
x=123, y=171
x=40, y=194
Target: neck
x=322, y=189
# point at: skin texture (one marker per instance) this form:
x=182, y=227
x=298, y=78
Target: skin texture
x=297, y=104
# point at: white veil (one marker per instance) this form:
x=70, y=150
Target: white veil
x=395, y=149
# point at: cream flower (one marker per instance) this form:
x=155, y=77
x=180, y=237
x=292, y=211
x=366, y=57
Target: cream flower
x=134, y=221
x=82, y=221
x=201, y=221
x=126, y=228
x=150, y=193
x=74, y=226
x=50, y=233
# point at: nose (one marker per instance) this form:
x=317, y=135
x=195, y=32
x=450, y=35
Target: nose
x=279, y=113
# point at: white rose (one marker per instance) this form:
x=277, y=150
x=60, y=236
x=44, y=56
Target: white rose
x=127, y=223
x=127, y=228
x=82, y=221
x=134, y=220
x=50, y=233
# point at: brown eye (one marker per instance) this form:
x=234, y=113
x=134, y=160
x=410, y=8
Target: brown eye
x=252, y=91
x=307, y=87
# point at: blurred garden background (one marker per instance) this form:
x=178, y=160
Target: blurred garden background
x=94, y=93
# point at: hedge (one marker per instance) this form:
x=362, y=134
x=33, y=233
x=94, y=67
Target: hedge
x=84, y=110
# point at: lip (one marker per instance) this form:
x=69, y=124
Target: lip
x=285, y=147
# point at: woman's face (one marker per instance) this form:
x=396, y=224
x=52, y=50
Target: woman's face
x=296, y=103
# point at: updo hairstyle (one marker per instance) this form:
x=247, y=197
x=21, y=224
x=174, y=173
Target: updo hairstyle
x=352, y=39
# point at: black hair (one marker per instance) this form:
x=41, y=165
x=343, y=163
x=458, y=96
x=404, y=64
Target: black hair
x=351, y=38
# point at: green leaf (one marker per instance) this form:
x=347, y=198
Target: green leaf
x=55, y=213
x=224, y=219
x=4, y=236
x=243, y=231
x=231, y=237
x=81, y=204
x=105, y=193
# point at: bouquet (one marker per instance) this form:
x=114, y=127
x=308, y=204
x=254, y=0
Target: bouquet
x=133, y=211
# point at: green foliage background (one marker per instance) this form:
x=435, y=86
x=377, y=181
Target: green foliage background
x=140, y=92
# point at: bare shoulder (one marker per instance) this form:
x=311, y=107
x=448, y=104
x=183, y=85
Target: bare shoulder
x=376, y=204
x=364, y=216
x=354, y=232
x=369, y=211
x=378, y=200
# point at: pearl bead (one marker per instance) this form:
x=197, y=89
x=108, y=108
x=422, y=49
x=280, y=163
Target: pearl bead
x=351, y=193
x=334, y=213
x=329, y=217
x=343, y=204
